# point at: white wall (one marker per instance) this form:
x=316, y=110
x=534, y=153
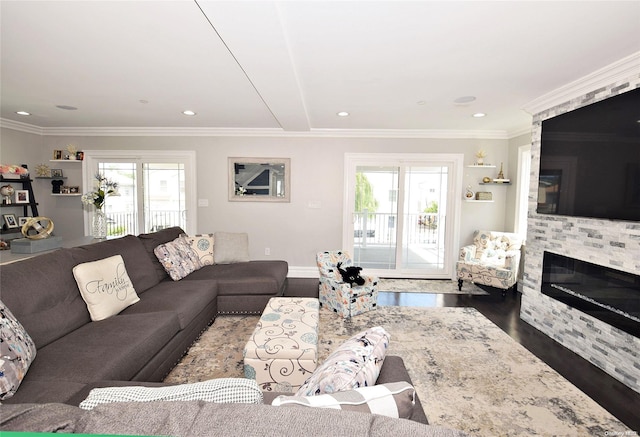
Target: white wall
x=293, y=231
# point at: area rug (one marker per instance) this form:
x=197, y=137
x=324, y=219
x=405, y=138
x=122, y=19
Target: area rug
x=440, y=286
x=469, y=374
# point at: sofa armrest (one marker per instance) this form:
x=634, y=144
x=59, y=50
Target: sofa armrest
x=467, y=253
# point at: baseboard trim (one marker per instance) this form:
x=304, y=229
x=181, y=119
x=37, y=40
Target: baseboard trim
x=303, y=272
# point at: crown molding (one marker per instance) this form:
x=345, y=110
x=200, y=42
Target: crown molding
x=230, y=132
x=19, y=126
x=618, y=71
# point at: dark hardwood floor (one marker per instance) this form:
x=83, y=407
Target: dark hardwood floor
x=615, y=397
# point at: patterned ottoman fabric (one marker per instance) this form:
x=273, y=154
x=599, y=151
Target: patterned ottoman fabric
x=283, y=349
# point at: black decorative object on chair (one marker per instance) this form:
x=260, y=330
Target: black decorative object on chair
x=351, y=274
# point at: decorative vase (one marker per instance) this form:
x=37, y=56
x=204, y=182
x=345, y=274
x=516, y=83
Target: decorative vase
x=99, y=228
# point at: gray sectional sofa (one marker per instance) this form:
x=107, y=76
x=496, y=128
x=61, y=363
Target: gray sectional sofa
x=143, y=342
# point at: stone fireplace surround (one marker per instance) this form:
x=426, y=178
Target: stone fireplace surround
x=610, y=243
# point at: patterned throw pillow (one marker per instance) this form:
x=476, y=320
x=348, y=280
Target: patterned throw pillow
x=178, y=258
x=17, y=351
x=221, y=391
x=356, y=363
x=105, y=287
x=395, y=399
x=202, y=245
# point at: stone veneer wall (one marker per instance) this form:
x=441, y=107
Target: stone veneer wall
x=615, y=244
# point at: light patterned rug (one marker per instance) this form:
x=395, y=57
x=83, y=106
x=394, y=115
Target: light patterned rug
x=469, y=374
x=441, y=286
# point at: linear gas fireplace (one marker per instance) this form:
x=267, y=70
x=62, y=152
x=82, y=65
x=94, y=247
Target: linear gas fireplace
x=610, y=295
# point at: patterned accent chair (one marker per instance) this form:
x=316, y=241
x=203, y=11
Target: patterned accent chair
x=341, y=297
x=493, y=259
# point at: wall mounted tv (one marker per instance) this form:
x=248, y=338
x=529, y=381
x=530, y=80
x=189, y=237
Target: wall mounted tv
x=590, y=160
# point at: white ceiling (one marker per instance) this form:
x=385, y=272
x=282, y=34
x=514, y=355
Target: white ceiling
x=393, y=65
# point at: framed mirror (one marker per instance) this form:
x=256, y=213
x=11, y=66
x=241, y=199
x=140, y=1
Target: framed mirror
x=259, y=179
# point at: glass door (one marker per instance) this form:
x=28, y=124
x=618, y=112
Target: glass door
x=153, y=192
x=401, y=215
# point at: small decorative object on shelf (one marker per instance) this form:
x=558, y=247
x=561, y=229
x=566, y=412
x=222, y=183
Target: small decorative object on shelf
x=33, y=229
x=484, y=195
x=56, y=186
x=480, y=154
x=103, y=188
x=57, y=154
x=43, y=171
x=486, y=179
x=22, y=196
x=469, y=193
x=7, y=191
x=14, y=171
x=501, y=179
x=71, y=152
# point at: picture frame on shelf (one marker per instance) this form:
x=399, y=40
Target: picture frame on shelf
x=23, y=220
x=22, y=196
x=56, y=173
x=57, y=154
x=80, y=156
x=74, y=190
x=65, y=190
x=10, y=221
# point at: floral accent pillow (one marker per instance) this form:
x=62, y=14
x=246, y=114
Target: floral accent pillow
x=17, y=351
x=356, y=363
x=178, y=258
x=202, y=245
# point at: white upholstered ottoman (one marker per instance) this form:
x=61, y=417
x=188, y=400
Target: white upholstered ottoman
x=283, y=349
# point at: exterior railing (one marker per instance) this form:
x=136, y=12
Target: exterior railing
x=380, y=228
x=124, y=223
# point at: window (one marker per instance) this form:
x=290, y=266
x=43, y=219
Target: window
x=153, y=190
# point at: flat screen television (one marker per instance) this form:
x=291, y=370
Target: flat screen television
x=590, y=160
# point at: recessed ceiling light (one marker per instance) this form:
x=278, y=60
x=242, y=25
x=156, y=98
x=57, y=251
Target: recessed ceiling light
x=342, y=114
x=23, y=113
x=188, y=112
x=66, y=107
x=479, y=114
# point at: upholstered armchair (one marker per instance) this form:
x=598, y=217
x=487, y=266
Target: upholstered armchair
x=343, y=298
x=493, y=259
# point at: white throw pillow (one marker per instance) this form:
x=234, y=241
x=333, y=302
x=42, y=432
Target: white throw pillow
x=231, y=247
x=105, y=287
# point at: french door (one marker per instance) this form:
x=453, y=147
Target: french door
x=154, y=192
x=401, y=213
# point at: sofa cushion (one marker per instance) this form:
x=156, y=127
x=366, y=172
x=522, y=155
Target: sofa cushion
x=48, y=303
x=105, y=286
x=154, y=239
x=186, y=298
x=177, y=258
x=221, y=390
x=356, y=363
x=127, y=341
x=395, y=399
x=202, y=245
x=17, y=351
x=250, y=278
x=231, y=247
x=140, y=268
